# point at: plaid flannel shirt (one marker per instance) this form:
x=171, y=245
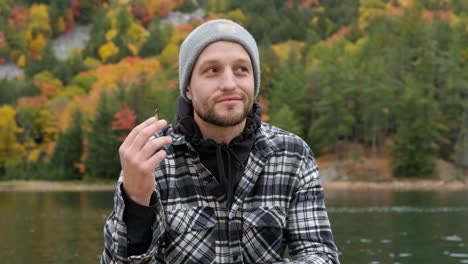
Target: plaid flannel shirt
x=278, y=204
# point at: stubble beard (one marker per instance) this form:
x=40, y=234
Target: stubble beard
x=207, y=113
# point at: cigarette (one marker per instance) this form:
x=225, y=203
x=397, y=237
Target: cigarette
x=156, y=113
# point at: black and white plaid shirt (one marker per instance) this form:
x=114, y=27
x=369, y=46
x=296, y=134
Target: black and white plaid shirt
x=278, y=204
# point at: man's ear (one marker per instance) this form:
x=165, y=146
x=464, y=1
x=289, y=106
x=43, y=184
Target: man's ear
x=188, y=94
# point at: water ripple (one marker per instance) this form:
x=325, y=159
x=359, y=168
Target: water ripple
x=396, y=209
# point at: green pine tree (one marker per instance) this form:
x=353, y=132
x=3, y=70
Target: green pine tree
x=102, y=159
x=418, y=133
x=289, y=88
x=68, y=151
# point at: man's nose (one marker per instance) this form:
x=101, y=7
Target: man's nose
x=228, y=80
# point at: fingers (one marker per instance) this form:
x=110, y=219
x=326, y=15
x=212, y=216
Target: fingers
x=144, y=134
x=131, y=137
x=153, y=145
x=154, y=161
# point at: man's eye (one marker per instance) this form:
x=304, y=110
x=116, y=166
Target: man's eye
x=211, y=70
x=242, y=69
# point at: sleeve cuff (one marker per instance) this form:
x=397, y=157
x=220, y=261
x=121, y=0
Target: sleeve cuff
x=139, y=213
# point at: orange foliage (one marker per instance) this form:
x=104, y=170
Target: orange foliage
x=48, y=84
x=3, y=41
x=428, y=15
x=180, y=32
x=49, y=89
x=308, y=3
x=393, y=10
x=18, y=17
x=338, y=35
x=124, y=120
x=35, y=101
x=128, y=71
x=69, y=21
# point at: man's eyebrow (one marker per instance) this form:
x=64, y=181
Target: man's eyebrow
x=216, y=61
x=209, y=61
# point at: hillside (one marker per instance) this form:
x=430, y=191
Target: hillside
x=388, y=77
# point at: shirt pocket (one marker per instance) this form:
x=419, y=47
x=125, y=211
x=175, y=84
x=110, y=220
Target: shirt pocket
x=190, y=235
x=263, y=234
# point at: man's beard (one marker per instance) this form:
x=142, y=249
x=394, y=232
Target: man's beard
x=207, y=113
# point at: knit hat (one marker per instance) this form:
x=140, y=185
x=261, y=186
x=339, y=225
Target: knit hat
x=204, y=35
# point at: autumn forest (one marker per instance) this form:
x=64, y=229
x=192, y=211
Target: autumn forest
x=355, y=79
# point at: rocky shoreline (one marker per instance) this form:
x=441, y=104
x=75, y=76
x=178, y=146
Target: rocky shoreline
x=396, y=185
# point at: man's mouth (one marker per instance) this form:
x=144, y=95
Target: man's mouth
x=230, y=99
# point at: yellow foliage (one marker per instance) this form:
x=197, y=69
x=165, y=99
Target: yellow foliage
x=129, y=71
x=133, y=49
x=406, y=3
x=282, y=50
x=465, y=54
x=36, y=45
x=314, y=21
x=354, y=49
x=61, y=25
x=39, y=19
x=91, y=63
x=10, y=150
x=108, y=50
x=48, y=125
x=170, y=55
x=110, y=35
x=368, y=10
x=34, y=155
x=137, y=34
x=21, y=61
x=180, y=33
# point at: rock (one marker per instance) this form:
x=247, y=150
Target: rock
x=9, y=70
x=75, y=39
x=177, y=18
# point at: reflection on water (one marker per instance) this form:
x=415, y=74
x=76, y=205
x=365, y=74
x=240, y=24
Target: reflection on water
x=400, y=227
x=369, y=226
x=52, y=227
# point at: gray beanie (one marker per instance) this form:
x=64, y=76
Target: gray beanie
x=204, y=35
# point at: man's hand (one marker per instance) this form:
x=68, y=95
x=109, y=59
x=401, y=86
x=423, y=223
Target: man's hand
x=139, y=160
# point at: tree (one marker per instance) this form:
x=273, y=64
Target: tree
x=335, y=120
x=11, y=151
x=46, y=62
x=101, y=25
x=288, y=88
x=157, y=39
x=284, y=118
x=68, y=151
x=417, y=133
x=102, y=159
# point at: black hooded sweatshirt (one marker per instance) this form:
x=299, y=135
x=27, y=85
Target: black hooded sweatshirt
x=226, y=163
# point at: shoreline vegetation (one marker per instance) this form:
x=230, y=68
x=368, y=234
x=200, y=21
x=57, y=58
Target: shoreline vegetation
x=341, y=185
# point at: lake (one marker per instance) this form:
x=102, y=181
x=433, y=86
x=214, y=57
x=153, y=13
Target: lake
x=369, y=226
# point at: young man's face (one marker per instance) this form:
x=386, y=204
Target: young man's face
x=222, y=84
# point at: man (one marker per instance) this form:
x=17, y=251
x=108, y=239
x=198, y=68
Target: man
x=217, y=185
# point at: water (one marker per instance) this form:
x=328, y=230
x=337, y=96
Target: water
x=400, y=227
x=369, y=226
